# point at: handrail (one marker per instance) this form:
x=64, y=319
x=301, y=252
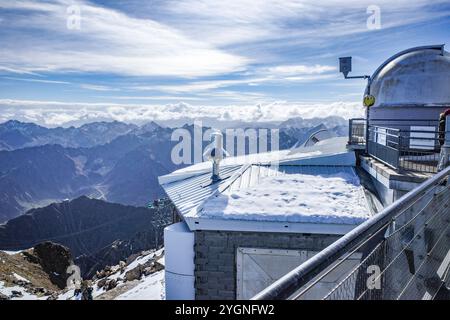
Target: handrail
x=357, y=119
x=300, y=276
x=385, y=128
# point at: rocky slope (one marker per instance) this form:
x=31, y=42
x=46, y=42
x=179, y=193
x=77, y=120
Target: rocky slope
x=36, y=273
x=97, y=233
x=31, y=274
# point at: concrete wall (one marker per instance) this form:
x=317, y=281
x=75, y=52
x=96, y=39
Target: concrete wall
x=215, y=256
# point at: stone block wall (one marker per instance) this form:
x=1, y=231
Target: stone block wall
x=215, y=256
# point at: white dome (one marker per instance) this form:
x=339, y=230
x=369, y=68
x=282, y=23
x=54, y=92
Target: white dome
x=416, y=78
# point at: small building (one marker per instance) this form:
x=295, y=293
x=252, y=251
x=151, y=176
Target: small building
x=268, y=213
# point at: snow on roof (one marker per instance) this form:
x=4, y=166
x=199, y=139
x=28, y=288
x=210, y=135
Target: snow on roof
x=334, y=198
x=322, y=148
x=308, y=189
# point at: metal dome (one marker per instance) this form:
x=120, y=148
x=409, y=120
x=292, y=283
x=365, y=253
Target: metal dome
x=414, y=77
x=411, y=88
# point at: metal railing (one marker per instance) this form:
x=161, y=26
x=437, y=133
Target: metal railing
x=384, y=145
x=405, y=252
x=357, y=132
x=419, y=150
x=410, y=150
x=404, y=148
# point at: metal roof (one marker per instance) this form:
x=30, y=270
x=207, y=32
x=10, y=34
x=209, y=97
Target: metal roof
x=249, y=176
x=191, y=192
x=326, y=150
x=252, y=174
x=190, y=189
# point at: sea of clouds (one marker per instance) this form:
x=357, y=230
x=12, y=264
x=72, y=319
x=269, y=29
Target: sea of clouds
x=53, y=114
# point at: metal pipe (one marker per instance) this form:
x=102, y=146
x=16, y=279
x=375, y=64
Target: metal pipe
x=297, y=278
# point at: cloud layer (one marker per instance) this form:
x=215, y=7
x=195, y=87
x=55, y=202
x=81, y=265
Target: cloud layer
x=63, y=114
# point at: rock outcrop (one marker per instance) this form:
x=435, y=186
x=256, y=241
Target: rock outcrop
x=54, y=259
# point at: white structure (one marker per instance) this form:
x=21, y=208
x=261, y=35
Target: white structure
x=179, y=262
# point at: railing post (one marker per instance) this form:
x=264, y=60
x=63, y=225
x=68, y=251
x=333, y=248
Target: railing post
x=445, y=148
x=399, y=149
x=350, y=130
x=367, y=132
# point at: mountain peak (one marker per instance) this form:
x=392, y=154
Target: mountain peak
x=16, y=124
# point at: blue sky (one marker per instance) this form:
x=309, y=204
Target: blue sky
x=251, y=59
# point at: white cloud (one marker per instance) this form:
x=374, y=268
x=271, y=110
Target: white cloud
x=177, y=98
x=96, y=87
x=16, y=70
x=190, y=38
x=108, y=41
x=52, y=113
x=267, y=75
x=307, y=22
x=198, y=86
x=247, y=42
x=37, y=80
x=300, y=69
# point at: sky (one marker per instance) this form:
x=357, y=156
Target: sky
x=70, y=61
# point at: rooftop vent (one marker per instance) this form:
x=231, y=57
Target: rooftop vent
x=215, y=153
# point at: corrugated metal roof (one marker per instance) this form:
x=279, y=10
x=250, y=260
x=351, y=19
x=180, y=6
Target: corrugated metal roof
x=191, y=192
x=252, y=174
x=190, y=189
x=327, y=152
x=208, y=215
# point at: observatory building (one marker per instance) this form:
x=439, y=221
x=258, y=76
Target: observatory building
x=244, y=222
x=401, y=137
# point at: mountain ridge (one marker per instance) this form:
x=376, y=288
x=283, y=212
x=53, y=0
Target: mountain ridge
x=98, y=233
x=124, y=169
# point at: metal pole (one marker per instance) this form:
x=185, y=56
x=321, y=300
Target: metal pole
x=350, y=126
x=445, y=148
x=367, y=117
